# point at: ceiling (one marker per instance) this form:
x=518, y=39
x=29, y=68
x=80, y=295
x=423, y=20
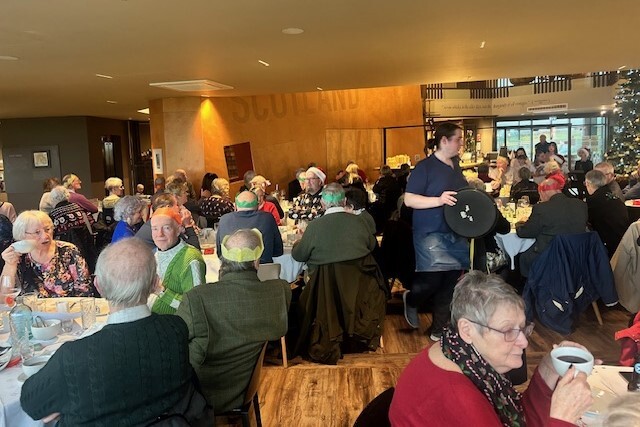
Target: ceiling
x=61, y=45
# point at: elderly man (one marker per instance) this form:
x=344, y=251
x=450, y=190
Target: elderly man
x=180, y=266
x=230, y=321
x=336, y=236
x=607, y=169
x=131, y=371
x=632, y=191
x=166, y=200
x=608, y=215
x=308, y=206
x=247, y=215
x=500, y=174
x=556, y=214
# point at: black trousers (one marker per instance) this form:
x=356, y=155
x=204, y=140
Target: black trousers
x=435, y=287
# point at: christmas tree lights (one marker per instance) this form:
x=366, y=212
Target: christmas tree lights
x=624, y=148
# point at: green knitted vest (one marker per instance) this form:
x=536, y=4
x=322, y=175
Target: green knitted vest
x=178, y=279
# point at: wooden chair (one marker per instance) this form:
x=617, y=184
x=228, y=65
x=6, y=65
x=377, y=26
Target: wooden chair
x=271, y=271
x=250, y=395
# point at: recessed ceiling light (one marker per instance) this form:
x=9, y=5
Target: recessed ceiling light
x=622, y=67
x=8, y=58
x=192, y=85
x=293, y=31
x=144, y=111
x=319, y=88
x=482, y=45
x=266, y=64
x=103, y=76
x=111, y=102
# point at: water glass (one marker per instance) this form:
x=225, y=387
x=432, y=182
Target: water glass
x=88, y=306
x=63, y=307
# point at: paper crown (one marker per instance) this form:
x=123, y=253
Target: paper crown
x=242, y=254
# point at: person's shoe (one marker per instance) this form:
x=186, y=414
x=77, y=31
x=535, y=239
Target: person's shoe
x=435, y=336
x=410, y=313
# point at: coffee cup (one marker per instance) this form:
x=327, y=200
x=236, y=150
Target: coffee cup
x=563, y=358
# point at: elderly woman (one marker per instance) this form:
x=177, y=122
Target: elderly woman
x=584, y=164
x=262, y=182
x=128, y=213
x=266, y=206
x=116, y=189
x=45, y=201
x=460, y=380
x=86, y=382
x=180, y=265
x=72, y=183
x=218, y=204
x=53, y=268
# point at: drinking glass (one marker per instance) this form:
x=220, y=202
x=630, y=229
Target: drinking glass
x=63, y=307
x=88, y=307
x=525, y=201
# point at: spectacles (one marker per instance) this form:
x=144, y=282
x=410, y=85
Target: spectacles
x=45, y=230
x=510, y=335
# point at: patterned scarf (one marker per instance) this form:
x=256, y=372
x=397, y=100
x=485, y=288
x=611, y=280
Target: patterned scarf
x=496, y=388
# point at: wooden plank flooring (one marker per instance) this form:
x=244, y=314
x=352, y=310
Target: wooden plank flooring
x=308, y=394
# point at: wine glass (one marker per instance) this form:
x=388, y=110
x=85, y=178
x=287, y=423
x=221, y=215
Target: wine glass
x=8, y=292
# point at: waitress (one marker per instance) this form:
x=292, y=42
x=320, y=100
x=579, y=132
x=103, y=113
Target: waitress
x=441, y=255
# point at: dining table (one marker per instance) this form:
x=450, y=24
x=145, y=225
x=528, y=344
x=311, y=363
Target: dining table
x=607, y=384
x=12, y=377
x=512, y=244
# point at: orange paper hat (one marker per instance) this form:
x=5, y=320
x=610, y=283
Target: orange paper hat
x=170, y=212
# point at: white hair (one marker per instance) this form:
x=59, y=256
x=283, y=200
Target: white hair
x=29, y=218
x=58, y=194
x=126, y=207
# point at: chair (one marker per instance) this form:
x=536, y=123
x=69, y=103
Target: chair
x=250, y=395
x=576, y=186
x=572, y=273
x=270, y=271
x=376, y=413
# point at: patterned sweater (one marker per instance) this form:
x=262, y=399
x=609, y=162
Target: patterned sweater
x=180, y=269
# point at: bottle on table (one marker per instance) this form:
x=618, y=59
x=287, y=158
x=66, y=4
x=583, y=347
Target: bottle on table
x=634, y=384
x=20, y=319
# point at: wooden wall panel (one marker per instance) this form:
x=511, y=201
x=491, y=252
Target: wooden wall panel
x=409, y=141
x=364, y=146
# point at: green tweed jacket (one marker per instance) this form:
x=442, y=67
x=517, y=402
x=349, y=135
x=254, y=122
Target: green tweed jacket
x=228, y=323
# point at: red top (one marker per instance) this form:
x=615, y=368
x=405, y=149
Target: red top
x=271, y=208
x=428, y=395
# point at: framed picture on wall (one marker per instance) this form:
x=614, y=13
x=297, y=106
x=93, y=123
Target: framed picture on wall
x=41, y=159
x=157, y=161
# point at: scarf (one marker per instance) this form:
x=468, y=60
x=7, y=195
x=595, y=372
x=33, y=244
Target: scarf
x=495, y=387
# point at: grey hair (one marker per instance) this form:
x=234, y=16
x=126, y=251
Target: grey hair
x=216, y=186
x=176, y=187
x=524, y=173
x=333, y=191
x=476, y=183
x=242, y=238
x=126, y=272
x=58, y=194
x=596, y=178
x=126, y=207
x=605, y=167
x=68, y=179
x=29, y=218
x=550, y=167
x=624, y=411
x=477, y=296
x=112, y=183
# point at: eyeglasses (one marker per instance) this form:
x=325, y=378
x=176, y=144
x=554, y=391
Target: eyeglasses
x=45, y=230
x=510, y=335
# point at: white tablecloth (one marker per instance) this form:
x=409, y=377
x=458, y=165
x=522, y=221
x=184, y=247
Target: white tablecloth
x=512, y=245
x=11, y=413
x=290, y=268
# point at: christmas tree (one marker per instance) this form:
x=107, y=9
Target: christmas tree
x=624, y=149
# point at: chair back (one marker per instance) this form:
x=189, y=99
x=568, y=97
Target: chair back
x=269, y=271
x=254, y=381
x=376, y=413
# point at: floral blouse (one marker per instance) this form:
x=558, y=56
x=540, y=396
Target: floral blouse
x=214, y=207
x=66, y=274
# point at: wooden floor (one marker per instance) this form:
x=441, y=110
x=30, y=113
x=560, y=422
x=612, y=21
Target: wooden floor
x=308, y=394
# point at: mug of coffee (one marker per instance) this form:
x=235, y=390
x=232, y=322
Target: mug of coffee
x=563, y=357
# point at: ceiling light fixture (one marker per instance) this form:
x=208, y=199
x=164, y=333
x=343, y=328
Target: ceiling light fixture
x=482, y=45
x=8, y=58
x=292, y=31
x=192, y=86
x=319, y=88
x=622, y=67
x=111, y=102
x=266, y=64
x=104, y=76
x=144, y=111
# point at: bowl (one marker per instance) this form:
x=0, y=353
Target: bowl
x=24, y=246
x=34, y=364
x=51, y=329
x=563, y=357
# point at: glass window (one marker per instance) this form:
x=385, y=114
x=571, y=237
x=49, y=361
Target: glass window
x=577, y=121
x=560, y=135
x=500, y=138
x=525, y=122
x=542, y=122
x=505, y=124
